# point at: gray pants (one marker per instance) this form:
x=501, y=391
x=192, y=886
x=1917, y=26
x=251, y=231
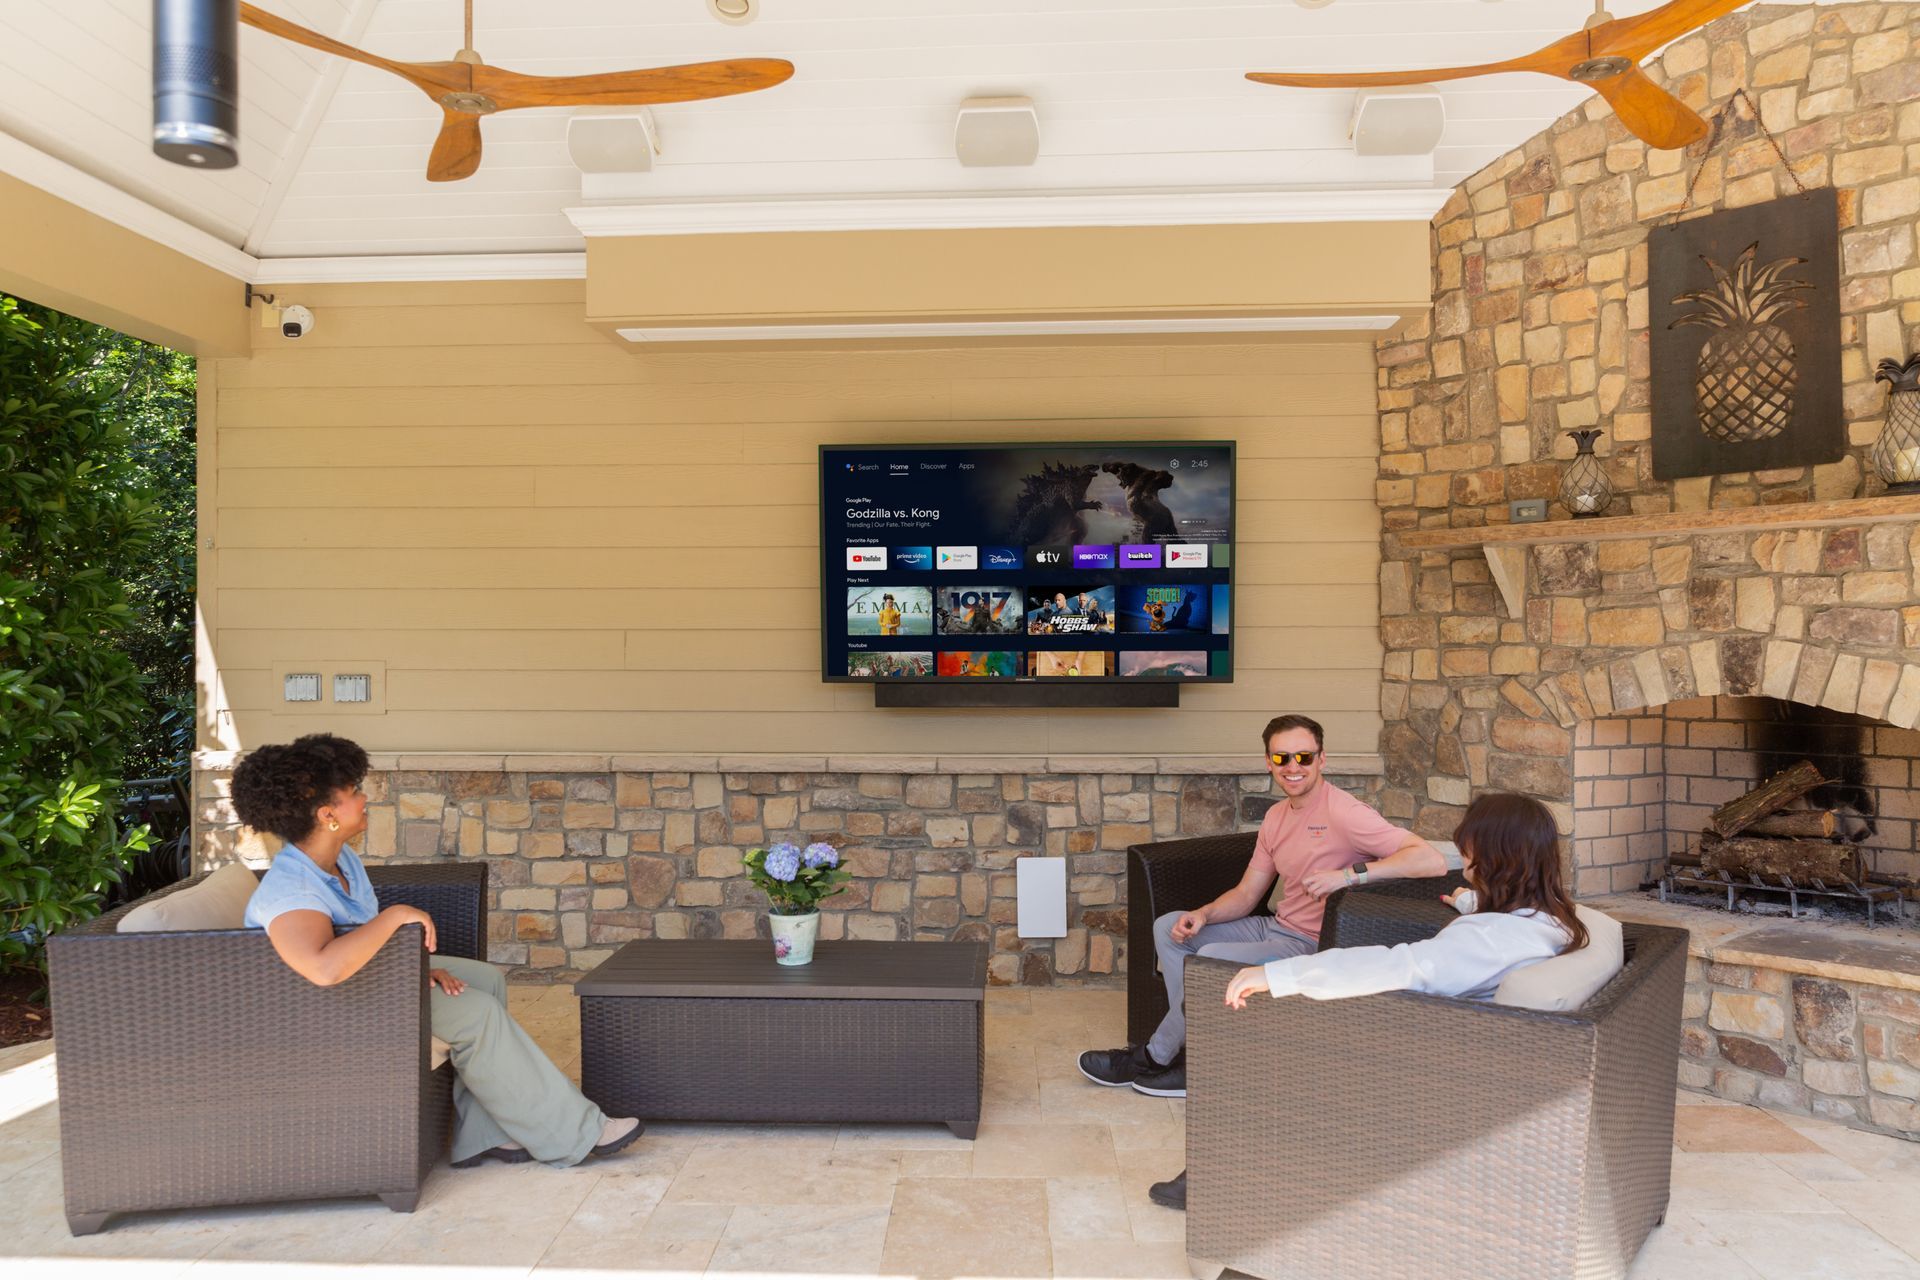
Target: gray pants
x=1248, y=940
x=505, y=1087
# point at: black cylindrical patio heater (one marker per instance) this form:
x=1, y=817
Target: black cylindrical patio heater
x=196, y=82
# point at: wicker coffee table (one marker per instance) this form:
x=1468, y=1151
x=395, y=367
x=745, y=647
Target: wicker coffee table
x=713, y=1030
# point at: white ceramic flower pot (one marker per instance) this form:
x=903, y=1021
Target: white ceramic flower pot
x=794, y=936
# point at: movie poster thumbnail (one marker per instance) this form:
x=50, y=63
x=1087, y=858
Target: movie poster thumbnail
x=1181, y=664
x=1048, y=663
x=1177, y=609
x=1069, y=611
x=1222, y=609
x=889, y=665
x=978, y=662
x=978, y=611
x=889, y=611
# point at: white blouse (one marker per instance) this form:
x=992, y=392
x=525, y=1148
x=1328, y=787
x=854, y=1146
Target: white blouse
x=1467, y=958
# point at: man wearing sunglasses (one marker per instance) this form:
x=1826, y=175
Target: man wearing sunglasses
x=1321, y=839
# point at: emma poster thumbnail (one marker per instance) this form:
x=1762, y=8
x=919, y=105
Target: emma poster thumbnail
x=889, y=611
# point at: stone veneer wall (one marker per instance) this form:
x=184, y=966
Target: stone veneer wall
x=1844, y=1051
x=1539, y=322
x=1539, y=325
x=588, y=852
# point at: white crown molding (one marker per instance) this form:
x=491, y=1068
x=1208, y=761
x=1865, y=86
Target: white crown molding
x=964, y=212
x=1006, y=329
x=60, y=179
x=426, y=267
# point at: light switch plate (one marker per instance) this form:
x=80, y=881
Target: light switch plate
x=1527, y=510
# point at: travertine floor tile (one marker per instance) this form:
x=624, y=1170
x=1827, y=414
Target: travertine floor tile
x=1043, y=1151
x=823, y=1239
x=1734, y=1129
x=737, y=1176
x=1108, y=1260
x=1810, y=1246
x=1705, y=1181
x=940, y=1228
x=1684, y=1249
x=1081, y=1209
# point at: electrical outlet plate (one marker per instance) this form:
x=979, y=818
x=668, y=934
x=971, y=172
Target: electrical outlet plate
x=331, y=685
x=1527, y=510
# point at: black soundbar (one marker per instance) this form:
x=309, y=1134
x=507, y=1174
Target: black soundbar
x=1059, y=694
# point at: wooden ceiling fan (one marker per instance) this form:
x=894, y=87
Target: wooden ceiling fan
x=467, y=88
x=1605, y=54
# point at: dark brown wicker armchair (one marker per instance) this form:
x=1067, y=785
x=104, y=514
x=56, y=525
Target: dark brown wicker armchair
x=196, y=1069
x=1404, y=1136
x=1179, y=875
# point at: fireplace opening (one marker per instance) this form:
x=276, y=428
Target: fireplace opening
x=1750, y=803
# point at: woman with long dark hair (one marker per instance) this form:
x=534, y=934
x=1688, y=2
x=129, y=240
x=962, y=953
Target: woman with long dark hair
x=1515, y=912
x=319, y=911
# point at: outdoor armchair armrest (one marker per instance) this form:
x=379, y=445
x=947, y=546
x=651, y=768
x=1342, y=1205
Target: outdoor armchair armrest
x=1171, y=875
x=1390, y=912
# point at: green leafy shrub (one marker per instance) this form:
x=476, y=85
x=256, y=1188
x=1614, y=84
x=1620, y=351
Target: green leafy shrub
x=71, y=509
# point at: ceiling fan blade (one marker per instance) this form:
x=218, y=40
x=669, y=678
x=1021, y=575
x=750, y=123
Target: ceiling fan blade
x=431, y=78
x=1640, y=35
x=689, y=83
x=456, y=152
x=1551, y=60
x=1650, y=112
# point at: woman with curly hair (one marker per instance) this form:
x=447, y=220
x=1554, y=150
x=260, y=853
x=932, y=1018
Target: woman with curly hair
x=320, y=913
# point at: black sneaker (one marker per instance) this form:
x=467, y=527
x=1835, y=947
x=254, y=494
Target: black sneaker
x=1164, y=1082
x=1116, y=1068
x=1170, y=1195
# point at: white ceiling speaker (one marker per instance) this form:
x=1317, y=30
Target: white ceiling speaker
x=735, y=13
x=1313, y=4
x=1400, y=121
x=996, y=132
x=618, y=140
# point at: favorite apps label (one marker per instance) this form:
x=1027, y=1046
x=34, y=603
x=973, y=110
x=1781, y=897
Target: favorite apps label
x=1187, y=556
x=865, y=558
x=1140, y=555
x=913, y=558
x=958, y=558
x=1100, y=557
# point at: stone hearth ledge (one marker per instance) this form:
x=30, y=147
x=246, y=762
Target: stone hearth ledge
x=1886, y=956
x=1338, y=764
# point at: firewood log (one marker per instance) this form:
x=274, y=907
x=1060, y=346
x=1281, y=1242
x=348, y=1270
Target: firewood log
x=1782, y=789
x=1803, y=860
x=1812, y=824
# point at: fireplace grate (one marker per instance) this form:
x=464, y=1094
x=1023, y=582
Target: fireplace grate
x=1874, y=897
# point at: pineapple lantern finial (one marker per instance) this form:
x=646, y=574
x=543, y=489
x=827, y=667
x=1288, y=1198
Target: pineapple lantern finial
x=1896, y=454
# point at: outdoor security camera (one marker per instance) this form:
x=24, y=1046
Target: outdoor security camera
x=295, y=322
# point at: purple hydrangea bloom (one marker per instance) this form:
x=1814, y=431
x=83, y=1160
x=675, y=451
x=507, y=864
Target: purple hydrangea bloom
x=822, y=854
x=783, y=861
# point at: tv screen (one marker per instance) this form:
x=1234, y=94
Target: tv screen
x=1027, y=562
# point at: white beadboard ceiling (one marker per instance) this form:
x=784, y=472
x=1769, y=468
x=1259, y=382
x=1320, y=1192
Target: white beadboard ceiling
x=1133, y=96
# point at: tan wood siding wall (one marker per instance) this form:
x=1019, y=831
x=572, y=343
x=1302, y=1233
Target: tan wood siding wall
x=555, y=544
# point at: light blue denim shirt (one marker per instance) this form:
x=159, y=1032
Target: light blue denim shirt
x=296, y=883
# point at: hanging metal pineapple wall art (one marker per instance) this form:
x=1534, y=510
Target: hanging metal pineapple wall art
x=1745, y=338
x=1744, y=386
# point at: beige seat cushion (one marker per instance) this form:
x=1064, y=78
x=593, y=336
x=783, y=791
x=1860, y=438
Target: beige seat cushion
x=1570, y=980
x=218, y=902
x=439, y=1052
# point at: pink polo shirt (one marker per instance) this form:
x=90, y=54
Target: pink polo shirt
x=1332, y=831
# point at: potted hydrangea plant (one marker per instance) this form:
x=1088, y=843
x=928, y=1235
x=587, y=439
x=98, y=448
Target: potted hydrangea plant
x=794, y=880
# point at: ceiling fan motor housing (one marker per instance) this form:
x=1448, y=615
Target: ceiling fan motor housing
x=196, y=82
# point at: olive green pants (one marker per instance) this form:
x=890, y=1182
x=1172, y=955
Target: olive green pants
x=505, y=1088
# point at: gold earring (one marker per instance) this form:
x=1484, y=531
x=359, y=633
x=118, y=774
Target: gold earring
x=333, y=824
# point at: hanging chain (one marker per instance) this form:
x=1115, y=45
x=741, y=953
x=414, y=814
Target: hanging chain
x=1713, y=141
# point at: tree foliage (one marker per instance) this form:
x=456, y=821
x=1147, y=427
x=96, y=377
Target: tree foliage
x=74, y=512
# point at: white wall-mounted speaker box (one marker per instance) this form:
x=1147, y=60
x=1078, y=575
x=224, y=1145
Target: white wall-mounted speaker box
x=1041, y=888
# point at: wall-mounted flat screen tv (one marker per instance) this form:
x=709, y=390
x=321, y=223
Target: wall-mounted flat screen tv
x=1025, y=562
